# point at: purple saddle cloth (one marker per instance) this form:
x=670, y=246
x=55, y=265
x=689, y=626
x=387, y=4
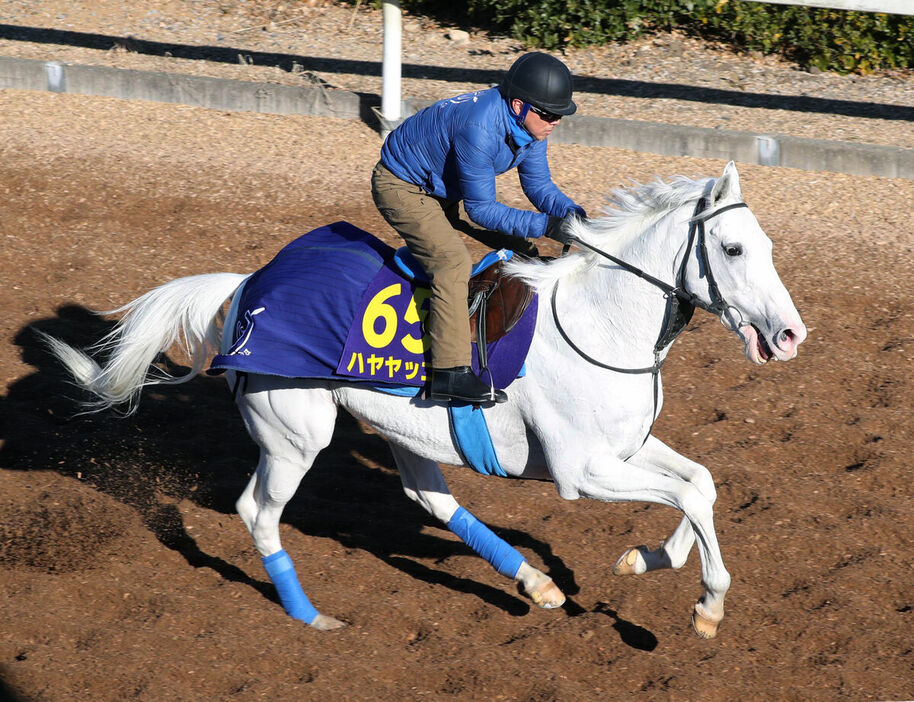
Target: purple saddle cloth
x=333, y=304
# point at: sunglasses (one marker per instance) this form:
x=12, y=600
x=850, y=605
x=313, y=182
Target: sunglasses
x=545, y=116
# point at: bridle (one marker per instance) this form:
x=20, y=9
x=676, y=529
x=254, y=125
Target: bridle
x=680, y=302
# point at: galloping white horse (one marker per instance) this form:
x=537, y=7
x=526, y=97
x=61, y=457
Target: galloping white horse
x=580, y=416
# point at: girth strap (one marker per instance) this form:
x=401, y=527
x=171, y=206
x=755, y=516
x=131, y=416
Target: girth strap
x=481, y=342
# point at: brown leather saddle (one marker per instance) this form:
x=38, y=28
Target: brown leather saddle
x=496, y=303
x=495, y=300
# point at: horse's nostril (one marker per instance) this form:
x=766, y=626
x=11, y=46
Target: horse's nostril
x=785, y=336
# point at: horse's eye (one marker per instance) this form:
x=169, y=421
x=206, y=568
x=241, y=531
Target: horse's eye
x=733, y=249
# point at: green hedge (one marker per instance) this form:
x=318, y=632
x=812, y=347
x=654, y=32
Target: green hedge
x=828, y=39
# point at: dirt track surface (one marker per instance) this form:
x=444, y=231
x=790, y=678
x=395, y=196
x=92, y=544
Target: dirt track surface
x=126, y=574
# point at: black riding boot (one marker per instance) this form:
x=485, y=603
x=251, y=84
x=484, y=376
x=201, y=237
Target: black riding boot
x=461, y=383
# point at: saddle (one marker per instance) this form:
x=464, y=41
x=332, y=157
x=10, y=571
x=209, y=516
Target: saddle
x=496, y=303
x=495, y=300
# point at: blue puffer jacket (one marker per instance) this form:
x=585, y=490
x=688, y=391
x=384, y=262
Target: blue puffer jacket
x=455, y=148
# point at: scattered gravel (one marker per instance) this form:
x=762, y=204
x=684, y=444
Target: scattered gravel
x=667, y=78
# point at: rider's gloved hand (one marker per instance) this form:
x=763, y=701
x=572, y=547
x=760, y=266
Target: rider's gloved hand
x=558, y=227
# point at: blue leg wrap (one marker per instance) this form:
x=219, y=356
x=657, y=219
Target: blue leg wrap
x=505, y=559
x=282, y=572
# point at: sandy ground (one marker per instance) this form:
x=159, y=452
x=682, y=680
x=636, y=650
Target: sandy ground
x=126, y=574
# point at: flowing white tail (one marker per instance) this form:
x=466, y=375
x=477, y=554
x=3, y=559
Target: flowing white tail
x=187, y=311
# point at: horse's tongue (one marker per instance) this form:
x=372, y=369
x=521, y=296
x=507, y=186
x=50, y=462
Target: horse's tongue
x=763, y=348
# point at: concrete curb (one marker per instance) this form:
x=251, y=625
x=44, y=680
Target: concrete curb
x=214, y=93
x=318, y=100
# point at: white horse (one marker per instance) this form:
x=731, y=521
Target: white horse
x=580, y=416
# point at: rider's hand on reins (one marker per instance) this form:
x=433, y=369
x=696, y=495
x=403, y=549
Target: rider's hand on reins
x=558, y=228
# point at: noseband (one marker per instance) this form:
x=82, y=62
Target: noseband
x=680, y=302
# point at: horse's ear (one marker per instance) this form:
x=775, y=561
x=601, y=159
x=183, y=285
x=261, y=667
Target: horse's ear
x=727, y=186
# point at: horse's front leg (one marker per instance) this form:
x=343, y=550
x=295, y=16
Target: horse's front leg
x=424, y=484
x=673, y=552
x=609, y=479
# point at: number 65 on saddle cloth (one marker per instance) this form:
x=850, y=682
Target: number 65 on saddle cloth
x=339, y=303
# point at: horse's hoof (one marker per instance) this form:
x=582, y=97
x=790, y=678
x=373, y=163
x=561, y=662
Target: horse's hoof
x=547, y=596
x=631, y=563
x=324, y=623
x=704, y=626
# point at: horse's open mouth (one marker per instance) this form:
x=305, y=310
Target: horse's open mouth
x=761, y=345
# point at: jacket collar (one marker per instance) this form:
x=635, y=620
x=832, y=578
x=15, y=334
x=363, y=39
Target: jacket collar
x=520, y=135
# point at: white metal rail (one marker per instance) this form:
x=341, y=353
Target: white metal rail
x=391, y=99
x=892, y=7
x=391, y=69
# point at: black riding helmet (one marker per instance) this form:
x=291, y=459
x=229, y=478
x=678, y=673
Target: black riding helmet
x=540, y=80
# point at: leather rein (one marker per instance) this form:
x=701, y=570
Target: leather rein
x=680, y=302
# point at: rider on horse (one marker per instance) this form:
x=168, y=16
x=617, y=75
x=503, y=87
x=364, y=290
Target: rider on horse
x=448, y=155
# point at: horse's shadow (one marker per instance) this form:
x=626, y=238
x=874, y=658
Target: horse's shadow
x=188, y=442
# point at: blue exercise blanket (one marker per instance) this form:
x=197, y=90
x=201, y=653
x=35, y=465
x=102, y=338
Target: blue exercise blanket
x=333, y=304
x=294, y=313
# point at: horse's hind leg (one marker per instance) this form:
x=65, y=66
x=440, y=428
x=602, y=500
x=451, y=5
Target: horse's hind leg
x=425, y=485
x=291, y=426
x=642, y=559
x=673, y=552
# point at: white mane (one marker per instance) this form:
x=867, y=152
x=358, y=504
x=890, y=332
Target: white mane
x=628, y=212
